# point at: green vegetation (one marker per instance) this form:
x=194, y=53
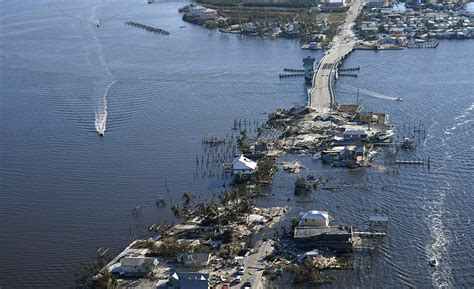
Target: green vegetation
x=232, y=205
x=302, y=187
x=266, y=170
x=262, y=3
x=94, y=275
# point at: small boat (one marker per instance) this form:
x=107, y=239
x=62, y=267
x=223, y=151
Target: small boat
x=433, y=262
x=182, y=26
x=101, y=133
x=399, y=99
x=408, y=143
x=384, y=136
x=97, y=23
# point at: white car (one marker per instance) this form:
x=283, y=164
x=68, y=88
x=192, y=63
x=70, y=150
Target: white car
x=237, y=279
x=241, y=270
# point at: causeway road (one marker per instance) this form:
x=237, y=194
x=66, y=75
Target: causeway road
x=320, y=96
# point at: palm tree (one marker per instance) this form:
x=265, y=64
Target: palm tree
x=187, y=202
x=201, y=209
x=176, y=211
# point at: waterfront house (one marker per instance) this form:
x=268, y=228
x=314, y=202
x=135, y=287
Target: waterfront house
x=355, y=135
x=314, y=230
x=201, y=12
x=243, y=166
x=250, y=28
x=189, y=280
x=135, y=266
x=293, y=31
x=315, y=219
x=298, y=111
x=192, y=259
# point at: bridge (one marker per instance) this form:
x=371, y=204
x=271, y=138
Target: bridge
x=321, y=95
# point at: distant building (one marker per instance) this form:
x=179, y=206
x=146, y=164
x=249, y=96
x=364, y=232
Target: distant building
x=335, y=3
x=202, y=12
x=135, y=266
x=293, y=31
x=315, y=219
x=313, y=230
x=190, y=280
x=355, y=135
x=243, y=165
x=308, y=64
x=375, y=3
x=298, y=111
x=250, y=28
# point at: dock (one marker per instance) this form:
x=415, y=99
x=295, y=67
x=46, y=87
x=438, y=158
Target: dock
x=321, y=95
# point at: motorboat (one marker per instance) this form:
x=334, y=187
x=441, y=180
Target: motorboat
x=385, y=135
x=399, y=99
x=433, y=262
x=408, y=143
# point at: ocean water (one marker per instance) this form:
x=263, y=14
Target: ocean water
x=65, y=191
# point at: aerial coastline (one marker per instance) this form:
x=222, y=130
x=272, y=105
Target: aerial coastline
x=322, y=184
x=339, y=134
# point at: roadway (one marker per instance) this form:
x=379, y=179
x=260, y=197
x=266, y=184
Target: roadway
x=320, y=96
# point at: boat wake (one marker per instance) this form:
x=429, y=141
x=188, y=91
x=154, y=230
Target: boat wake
x=370, y=93
x=377, y=95
x=101, y=113
x=438, y=249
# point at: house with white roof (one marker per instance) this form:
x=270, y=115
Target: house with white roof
x=134, y=266
x=202, y=12
x=315, y=219
x=243, y=166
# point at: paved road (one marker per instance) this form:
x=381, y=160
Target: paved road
x=319, y=97
x=255, y=268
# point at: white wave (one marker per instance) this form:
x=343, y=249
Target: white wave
x=371, y=93
x=101, y=112
x=377, y=95
x=461, y=120
x=441, y=275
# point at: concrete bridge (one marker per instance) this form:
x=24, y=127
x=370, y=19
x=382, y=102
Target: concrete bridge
x=321, y=96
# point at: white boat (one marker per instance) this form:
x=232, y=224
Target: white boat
x=384, y=136
x=408, y=143
x=311, y=46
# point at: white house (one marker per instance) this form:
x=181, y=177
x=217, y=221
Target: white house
x=243, y=165
x=202, y=12
x=135, y=266
x=315, y=219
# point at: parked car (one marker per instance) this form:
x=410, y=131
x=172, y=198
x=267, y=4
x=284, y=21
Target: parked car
x=241, y=270
x=237, y=279
x=247, y=285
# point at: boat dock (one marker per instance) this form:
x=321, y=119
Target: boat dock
x=321, y=96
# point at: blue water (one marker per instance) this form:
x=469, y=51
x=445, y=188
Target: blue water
x=65, y=191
